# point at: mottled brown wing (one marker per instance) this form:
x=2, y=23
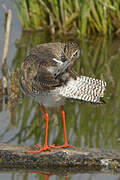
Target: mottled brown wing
x=35, y=77
x=45, y=80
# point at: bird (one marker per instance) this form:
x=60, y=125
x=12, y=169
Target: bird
x=47, y=75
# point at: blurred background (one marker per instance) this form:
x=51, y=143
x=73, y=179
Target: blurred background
x=95, y=25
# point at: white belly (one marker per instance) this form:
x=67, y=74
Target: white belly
x=49, y=99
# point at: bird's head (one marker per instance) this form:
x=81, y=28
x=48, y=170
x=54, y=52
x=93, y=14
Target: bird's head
x=70, y=52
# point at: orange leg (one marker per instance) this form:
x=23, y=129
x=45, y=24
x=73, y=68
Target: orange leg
x=66, y=178
x=46, y=147
x=46, y=176
x=65, y=134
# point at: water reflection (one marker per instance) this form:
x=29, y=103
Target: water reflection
x=26, y=176
x=88, y=125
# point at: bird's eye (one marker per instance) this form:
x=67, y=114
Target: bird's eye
x=76, y=54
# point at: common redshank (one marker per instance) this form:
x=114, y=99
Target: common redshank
x=47, y=76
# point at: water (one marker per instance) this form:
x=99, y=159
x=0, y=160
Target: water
x=15, y=33
x=88, y=125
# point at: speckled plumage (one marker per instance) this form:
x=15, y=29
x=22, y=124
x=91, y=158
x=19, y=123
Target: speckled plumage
x=38, y=76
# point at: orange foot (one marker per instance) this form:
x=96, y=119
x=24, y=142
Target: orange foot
x=45, y=148
x=64, y=146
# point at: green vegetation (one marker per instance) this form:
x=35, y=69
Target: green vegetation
x=82, y=16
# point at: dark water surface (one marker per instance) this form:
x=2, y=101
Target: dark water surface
x=88, y=125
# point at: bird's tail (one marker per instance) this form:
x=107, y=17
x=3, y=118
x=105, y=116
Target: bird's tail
x=84, y=88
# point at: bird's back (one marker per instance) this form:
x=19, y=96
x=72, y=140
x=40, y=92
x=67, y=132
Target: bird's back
x=49, y=49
